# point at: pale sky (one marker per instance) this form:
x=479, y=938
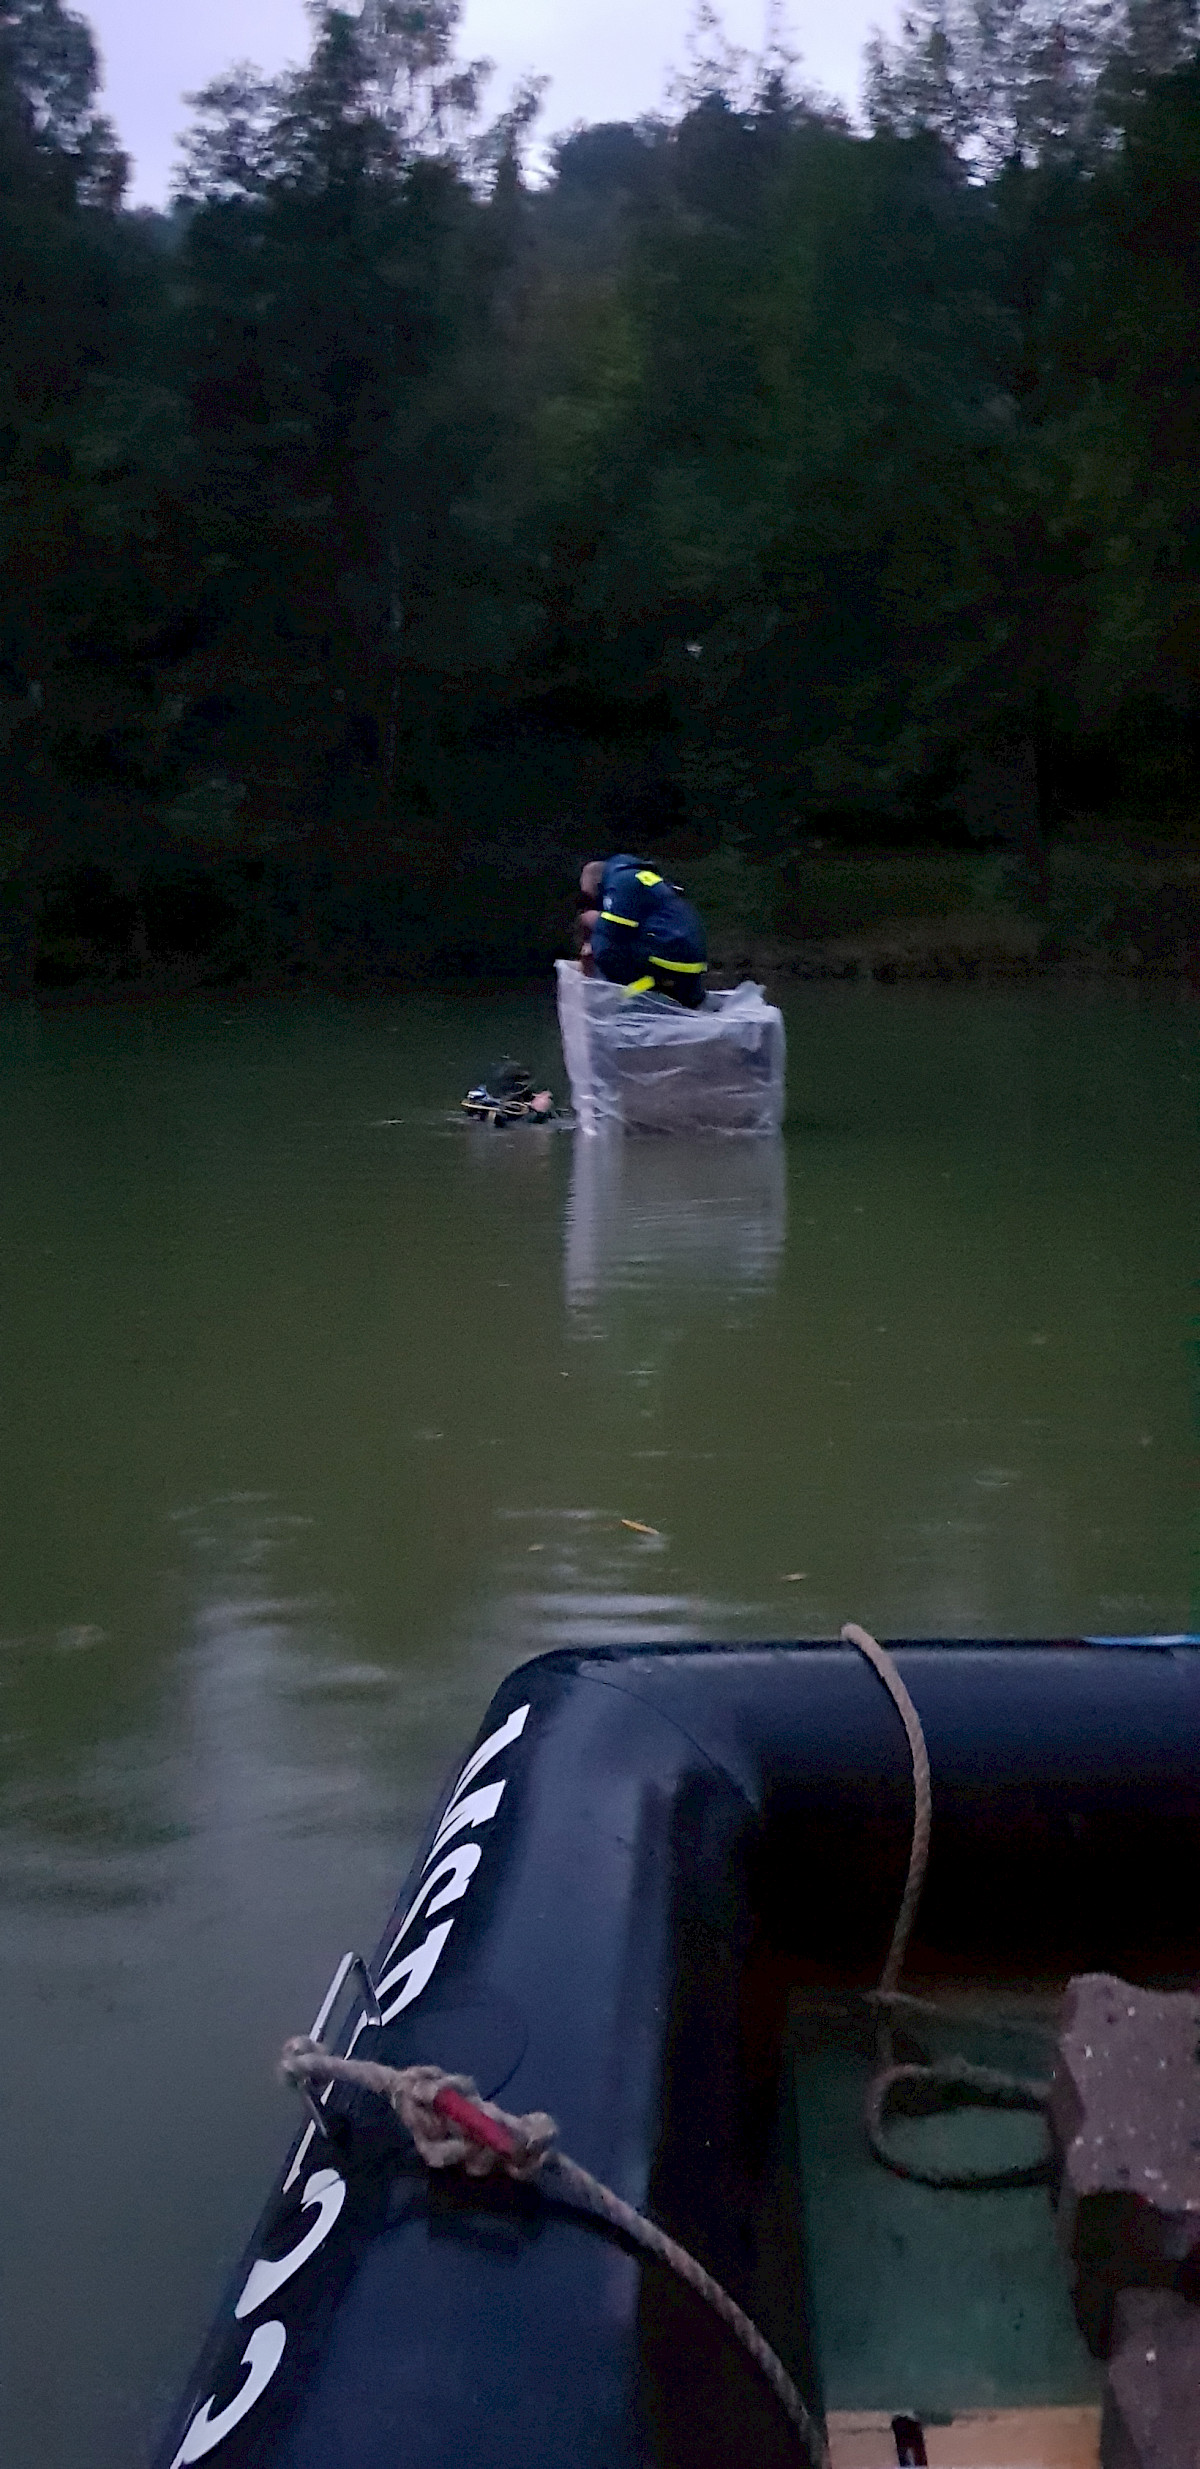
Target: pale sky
x=607, y=59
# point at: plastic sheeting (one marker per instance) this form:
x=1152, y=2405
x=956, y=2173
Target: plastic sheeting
x=641, y=1063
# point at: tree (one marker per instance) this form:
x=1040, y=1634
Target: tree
x=389, y=71
x=346, y=284
x=998, y=81
x=420, y=85
x=49, y=80
x=1127, y=403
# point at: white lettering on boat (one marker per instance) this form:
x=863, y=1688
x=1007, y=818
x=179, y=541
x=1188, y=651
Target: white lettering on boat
x=415, y=1970
x=478, y=1809
x=488, y=1749
x=459, y=1868
x=328, y=2191
x=326, y=2188
x=465, y=1809
x=260, y=2357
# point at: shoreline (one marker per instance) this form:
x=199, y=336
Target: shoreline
x=983, y=950
x=971, y=949
x=1114, y=914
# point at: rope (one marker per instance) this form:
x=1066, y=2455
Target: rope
x=453, y=2128
x=918, y=1857
x=981, y=2087
x=443, y=2113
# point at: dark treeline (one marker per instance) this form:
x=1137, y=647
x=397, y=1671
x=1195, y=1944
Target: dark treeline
x=383, y=527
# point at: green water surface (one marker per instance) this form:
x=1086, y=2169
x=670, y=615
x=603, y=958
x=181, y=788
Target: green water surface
x=320, y=1410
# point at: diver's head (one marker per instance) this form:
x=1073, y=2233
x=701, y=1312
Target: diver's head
x=511, y=1081
x=592, y=878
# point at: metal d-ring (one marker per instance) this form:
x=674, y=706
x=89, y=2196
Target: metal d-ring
x=372, y=2014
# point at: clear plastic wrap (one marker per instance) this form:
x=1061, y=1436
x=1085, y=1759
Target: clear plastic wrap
x=641, y=1063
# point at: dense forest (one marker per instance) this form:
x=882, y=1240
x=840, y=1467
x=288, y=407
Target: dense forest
x=408, y=512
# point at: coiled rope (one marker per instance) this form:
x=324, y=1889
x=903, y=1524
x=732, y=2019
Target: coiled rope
x=926, y=2087
x=453, y=2128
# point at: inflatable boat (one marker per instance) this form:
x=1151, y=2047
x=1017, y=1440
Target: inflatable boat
x=653, y=1903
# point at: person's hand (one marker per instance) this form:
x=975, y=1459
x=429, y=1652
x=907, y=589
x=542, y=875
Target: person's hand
x=589, y=919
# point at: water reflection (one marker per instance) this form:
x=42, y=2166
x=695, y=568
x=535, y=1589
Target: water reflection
x=668, y=1245
x=674, y=1213
x=290, y=1731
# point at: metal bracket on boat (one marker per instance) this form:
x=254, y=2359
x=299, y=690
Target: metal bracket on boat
x=351, y=1963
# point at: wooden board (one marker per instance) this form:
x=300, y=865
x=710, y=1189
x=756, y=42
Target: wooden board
x=979, y=2439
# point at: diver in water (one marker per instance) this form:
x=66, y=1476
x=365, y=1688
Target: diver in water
x=640, y=932
x=508, y=1096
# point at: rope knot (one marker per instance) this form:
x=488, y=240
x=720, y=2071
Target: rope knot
x=450, y=2124
x=446, y=2117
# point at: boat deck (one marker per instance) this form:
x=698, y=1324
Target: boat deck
x=949, y=2308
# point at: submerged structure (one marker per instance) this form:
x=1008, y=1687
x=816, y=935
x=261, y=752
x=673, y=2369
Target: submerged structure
x=654, y=1904
x=642, y=1063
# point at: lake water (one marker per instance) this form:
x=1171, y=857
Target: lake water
x=321, y=1409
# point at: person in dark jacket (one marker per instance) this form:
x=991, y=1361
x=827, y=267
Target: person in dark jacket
x=642, y=934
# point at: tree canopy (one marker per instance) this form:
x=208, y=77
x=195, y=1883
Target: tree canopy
x=388, y=518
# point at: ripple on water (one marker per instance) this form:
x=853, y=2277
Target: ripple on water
x=594, y=1591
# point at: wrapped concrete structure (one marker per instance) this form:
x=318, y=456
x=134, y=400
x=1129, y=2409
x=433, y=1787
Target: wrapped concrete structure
x=641, y=1063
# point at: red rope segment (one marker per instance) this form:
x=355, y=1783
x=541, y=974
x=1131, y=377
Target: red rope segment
x=453, y=2128
x=474, y=2122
